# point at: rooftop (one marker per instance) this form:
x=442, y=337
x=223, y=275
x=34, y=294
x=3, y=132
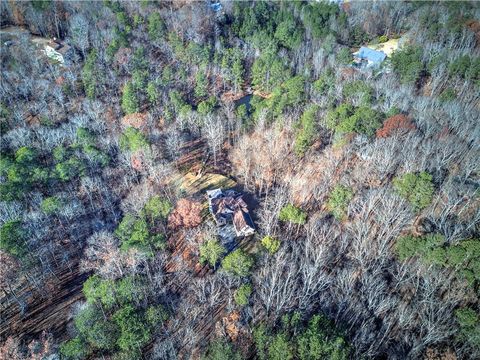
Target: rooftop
x=227, y=207
x=374, y=56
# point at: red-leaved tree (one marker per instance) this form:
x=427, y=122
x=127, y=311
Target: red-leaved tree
x=397, y=124
x=187, y=214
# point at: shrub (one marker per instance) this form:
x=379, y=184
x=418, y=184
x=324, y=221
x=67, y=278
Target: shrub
x=12, y=238
x=408, y=64
x=220, y=349
x=466, y=68
x=136, y=232
x=130, y=102
x=382, y=39
x=25, y=156
x=280, y=348
x=269, y=71
x=417, y=189
x=69, y=169
x=156, y=26
x=51, y=205
x=201, y=84
x=152, y=93
x=97, y=331
x=366, y=120
x=317, y=18
x=324, y=83
x=469, y=323
x=157, y=208
x=345, y=56
x=90, y=75
x=289, y=33
x=448, y=94
x=133, y=332
x=307, y=131
x=85, y=137
x=242, y=294
x=95, y=156
x=156, y=315
x=139, y=81
x=74, y=349
x=292, y=214
x=237, y=263
x=319, y=340
x=346, y=119
x=463, y=257
x=96, y=290
x=211, y=251
x=358, y=88
x=207, y=106
x=133, y=140
x=338, y=201
x=322, y=341
x=271, y=244
x=407, y=246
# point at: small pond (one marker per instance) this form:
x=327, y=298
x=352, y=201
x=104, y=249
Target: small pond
x=244, y=100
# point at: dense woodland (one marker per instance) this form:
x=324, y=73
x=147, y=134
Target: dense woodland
x=363, y=184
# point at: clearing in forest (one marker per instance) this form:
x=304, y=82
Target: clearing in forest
x=191, y=184
x=387, y=47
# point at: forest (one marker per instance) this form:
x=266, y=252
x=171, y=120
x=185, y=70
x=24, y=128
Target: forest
x=227, y=180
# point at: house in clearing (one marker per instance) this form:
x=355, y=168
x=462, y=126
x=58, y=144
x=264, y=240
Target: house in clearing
x=368, y=58
x=54, y=49
x=229, y=207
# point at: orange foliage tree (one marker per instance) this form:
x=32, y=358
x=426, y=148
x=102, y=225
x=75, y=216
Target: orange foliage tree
x=397, y=124
x=187, y=214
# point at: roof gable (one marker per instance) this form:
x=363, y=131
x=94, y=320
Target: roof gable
x=371, y=55
x=228, y=206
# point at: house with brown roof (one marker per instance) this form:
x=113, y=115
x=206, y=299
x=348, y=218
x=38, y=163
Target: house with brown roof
x=229, y=207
